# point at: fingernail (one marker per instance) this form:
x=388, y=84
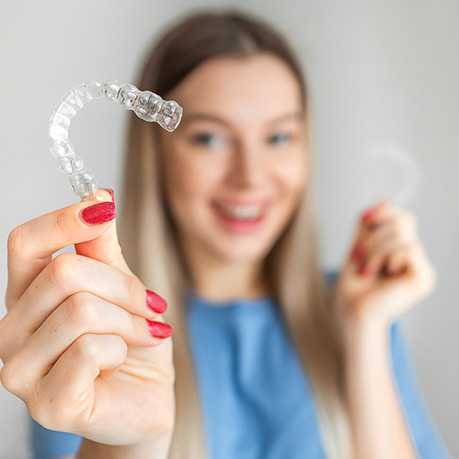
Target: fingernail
x=155, y=302
x=112, y=194
x=358, y=253
x=369, y=215
x=99, y=213
x=159, y=329
x=363, y=270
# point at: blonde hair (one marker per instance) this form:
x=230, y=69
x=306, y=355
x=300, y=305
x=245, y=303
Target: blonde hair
x=292, y=268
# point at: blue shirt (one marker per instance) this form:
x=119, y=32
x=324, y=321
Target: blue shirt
x=256, y=399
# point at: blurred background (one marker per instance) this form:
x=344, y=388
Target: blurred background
x=383, y=79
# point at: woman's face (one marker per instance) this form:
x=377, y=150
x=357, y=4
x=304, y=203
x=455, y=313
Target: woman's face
x=235, y=167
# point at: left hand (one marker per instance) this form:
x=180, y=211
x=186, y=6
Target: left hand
x=387, y=270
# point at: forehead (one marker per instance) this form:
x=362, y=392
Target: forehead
x=247, y=90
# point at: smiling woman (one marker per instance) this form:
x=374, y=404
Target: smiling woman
x=233, y=195
x=272, y=357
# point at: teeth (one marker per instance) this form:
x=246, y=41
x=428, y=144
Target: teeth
x=242, y=212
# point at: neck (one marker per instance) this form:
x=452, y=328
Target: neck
x=218, y=279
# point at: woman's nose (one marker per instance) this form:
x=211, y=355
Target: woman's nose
x=247, y=167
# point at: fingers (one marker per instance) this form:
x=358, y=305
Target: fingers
x=105, y=247
x=72, y=381
x=363, y=226
x=383, y=237
x=390, y=257
x=80, y=314
x=32, y=244
x=398, y=260
x=68, y=274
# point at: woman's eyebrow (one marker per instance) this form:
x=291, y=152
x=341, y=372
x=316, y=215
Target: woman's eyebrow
x=190, y=117
x=286, y=117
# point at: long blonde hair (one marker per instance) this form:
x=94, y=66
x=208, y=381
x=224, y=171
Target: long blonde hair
x=292, y=268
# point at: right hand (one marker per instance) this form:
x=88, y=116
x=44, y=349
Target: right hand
x=75, y=344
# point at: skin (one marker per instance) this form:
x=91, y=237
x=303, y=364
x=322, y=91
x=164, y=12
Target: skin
x=241, y=137
x=85, y=331
x=385, y=273
x=81, y=319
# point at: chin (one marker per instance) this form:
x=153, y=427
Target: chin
x=246, y=251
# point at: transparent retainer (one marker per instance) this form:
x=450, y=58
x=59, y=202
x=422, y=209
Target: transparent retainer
x=145, y=104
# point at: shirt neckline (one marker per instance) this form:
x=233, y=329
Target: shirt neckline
x=237, y=302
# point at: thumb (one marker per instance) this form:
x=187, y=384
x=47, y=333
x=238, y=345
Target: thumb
x=105, y=247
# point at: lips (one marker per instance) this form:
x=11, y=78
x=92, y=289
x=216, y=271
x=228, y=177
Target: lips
x=241, y=202
x=240, y=212
x=261, y=204
x=240, y=216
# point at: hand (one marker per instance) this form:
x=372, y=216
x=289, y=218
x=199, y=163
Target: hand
x=386, y=271
x=75, y=342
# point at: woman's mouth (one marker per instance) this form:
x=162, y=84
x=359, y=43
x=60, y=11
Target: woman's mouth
x=240, y=218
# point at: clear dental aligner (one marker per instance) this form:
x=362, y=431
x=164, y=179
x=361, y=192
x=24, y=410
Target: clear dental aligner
x=145, y=104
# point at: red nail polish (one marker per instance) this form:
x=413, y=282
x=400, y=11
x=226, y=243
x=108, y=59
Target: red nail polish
x=369, y=215
x=159, y=329
x=358, y=253
x=99, y=213
x=112, y=194
x=155, y=302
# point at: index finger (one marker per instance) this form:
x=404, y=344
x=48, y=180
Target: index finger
x=32, y=244
x=365, y=225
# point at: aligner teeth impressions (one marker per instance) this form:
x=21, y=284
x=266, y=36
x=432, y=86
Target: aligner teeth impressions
x=146, y=105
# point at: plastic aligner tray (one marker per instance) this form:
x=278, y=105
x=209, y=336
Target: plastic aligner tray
x=145, y=104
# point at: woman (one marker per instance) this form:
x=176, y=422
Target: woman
x=218, y=220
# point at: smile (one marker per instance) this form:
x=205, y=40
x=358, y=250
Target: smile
x=240, y=219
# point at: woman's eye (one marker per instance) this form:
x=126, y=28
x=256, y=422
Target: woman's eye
x=280, y=138
x=207, y=139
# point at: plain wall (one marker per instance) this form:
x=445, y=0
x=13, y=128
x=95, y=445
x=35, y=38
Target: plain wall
x=380, y=73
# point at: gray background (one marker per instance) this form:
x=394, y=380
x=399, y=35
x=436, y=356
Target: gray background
x=380, y=73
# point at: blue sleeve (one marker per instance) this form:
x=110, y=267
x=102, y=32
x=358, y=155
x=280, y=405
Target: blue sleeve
x=49, y=444
x=426, y=440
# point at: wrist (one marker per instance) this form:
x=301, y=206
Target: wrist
x=157, y=448
x=362, y=330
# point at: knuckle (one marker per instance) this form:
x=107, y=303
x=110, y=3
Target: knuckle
x=9, y=377
x=15, y=242
x=121, y=348
x=45, y=412
x=63, y=268
x=80, y=309
x=86, y=348
x=35, y=407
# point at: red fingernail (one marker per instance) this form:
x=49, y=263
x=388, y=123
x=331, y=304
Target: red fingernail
x=358, y=253
x=99, y=213
x=155, y=302
x=112, y=194
x=159, y=329
x=369, y=215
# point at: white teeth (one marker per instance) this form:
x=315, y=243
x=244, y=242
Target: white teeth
x=242, y=212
